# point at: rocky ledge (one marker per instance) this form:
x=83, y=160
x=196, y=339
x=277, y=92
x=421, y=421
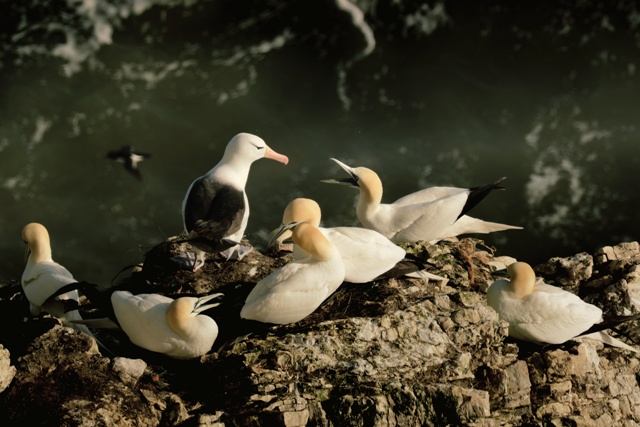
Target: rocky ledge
x=397, y=352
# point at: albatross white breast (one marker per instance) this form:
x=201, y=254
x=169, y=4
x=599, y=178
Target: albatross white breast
x=215, y=210
x=366, y=253
x=431, y=214
x=294, y=291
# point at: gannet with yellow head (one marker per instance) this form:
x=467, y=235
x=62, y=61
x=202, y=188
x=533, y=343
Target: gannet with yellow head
x=295, y=290
x=366, y=253
x=542, y=313
x=43, y=277
x=173, y=327
x=430, y=214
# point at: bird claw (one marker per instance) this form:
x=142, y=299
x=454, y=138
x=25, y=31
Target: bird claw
x=189, y=261
x=237, y=252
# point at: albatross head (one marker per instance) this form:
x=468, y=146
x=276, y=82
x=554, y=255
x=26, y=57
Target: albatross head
x=298, y=210
x=37, y=240
x=250, y=148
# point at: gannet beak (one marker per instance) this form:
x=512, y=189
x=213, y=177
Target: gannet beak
x=502, y=273
x=278, y=236
x=270, y=154
x=202, y=306
x=352, y=181
x=27, y=252
x=283, y=229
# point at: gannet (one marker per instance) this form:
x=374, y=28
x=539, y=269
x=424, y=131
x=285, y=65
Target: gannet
x=295, y=290
x=43, y=277
x=430, y=214
x=215, y=210
x=164, y=325
x=366, y=254
x=542, y=313
x=130, y=158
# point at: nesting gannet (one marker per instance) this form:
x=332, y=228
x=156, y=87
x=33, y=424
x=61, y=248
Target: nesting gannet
x=43, y=277
x=164, y=325
x=130, y=158
x=294, y=291
x=430, y=214
x=543, y=313
x=366, y=254
x=215, y=210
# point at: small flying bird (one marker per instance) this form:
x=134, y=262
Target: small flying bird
x=215, y=210
x=130, y=158
x=297, y=289
x=542, y=313
x=428, y=215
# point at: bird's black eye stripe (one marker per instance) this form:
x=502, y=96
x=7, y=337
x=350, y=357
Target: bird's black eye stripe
x=259, y=148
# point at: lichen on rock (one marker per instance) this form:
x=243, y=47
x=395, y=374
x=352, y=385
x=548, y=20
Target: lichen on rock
x=396, y=352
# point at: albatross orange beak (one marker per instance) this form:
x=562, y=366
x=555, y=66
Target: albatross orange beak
x=270, y=154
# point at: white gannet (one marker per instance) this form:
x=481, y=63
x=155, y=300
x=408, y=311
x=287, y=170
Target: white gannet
x=130, y=158
x=430, y=214
x=164, y=325
x=542, y=313
x=366, y=253
x=43, y=277
x=295, y=290
x=215, y=210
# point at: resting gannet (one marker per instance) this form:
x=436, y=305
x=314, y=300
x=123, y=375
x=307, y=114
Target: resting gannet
x=215, y=210
x=295, y=290
x=430, y=214
x=164, y=325
x=43, y=277
x=366, y=254
x=543, y=313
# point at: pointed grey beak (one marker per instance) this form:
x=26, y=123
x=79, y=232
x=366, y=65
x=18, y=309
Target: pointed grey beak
x=277, y=236
x=201, y=304
x=501, y=274
x=27, y=252
x=352, y=181
x=283, y=229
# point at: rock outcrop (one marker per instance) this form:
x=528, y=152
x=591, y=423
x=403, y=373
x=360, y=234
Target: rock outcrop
x=397, y=352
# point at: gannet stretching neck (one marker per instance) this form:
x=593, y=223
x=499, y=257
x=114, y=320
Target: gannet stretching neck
x=366, y=254
x=164, y=325
x=294, y=291
x=430, y=214
x=215, y=210
x=43, y=277
x=543, y=313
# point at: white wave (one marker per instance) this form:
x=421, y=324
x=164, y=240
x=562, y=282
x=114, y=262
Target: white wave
x=359, y=21
x=427, y=18
x=42, y=126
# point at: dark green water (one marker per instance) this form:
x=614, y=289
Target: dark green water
x=425, y=93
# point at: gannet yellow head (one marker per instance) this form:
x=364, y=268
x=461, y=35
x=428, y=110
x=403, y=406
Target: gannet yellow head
x=36, y=237
x=312, y=241
x=363, y=178
x=183, y=311
x=298, y=210
x=523, y=279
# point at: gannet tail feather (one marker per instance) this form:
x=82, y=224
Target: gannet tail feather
x=478, y=193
